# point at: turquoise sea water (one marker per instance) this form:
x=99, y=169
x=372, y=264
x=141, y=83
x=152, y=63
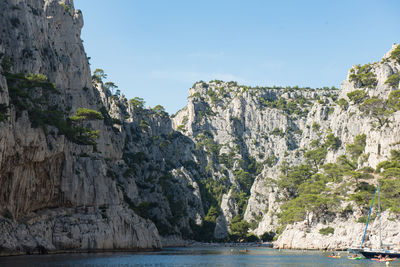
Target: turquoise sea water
x=191, y=257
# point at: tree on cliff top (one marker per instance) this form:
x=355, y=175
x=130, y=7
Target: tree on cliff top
x=98, y=75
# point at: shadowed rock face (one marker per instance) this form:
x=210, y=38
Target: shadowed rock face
x=150, y=174
x=54, y=196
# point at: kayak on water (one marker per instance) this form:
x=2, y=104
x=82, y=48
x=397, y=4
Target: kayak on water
x=383, y=259
x=355, y=258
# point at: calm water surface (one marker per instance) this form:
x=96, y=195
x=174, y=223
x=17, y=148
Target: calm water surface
x=190, y=257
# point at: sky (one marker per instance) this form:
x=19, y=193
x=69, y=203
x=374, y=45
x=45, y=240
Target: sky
x=157, y=49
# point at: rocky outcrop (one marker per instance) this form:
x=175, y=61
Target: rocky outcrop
x=346, y=234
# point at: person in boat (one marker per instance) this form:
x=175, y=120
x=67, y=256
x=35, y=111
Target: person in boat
x=380, y=256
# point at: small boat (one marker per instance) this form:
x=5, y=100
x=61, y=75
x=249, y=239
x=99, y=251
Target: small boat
x=384, y=259
x=244, y=250
x=334, y=256
x=380, y=252
x=355, y=258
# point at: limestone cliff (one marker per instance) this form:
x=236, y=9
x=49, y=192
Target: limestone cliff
x=275, y=127
x=83, y=169
x=56, y=189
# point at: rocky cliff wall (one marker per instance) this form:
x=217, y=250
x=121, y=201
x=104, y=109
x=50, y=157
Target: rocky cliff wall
x=57, y=192
x=121, y=176
x=276, y=126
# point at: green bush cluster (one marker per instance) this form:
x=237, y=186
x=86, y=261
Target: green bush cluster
x=396, y=54
x=304, y=186
x=98, y=75
x=66, y=7
x=393, y=80
x=83, y=114
x=357, y=96
x=311, y=196
x=144, y=125
x=357, y=148
x=296, y=106
x=31, y=93
x=380, y=109
x=315, y=127
x=363, y=76
x=390, y=182
x=160, y=110
x=344, y=105
x=278, y=132
x=205, y=141
x=238, y=228
x=213, y=96
x=138, y=103
x=327, y=230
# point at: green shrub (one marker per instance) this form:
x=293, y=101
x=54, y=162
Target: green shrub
x=205, y=140
x=378, y=109
x=363, y=76
x=160, y=110
x=316, y=156
x=278, y=132
x=396, y=54
x=181, y=128
x=30, y=92
x=326, y=231
x=357, y=96
x=393, y=101
x=138, y=103
x=144, y=125
x=86, y=114
x=332, y=142
x=267, y=236
x=213, y=96
x=316, y=127
x=362, y=219
x=98, y=75
x=357, y=148
x=252, y=238
x=239, y=228
x=344, y=105
x=393, y=80
x=244, y=179
x=66, y=8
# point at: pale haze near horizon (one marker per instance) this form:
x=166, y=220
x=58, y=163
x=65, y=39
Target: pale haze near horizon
x=157, y=49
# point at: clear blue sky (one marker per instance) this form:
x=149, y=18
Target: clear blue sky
x=158, y=49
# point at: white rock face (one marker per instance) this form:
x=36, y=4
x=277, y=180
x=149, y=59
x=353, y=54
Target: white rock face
x=239, y=121
x=228, y=210
x=347, y=233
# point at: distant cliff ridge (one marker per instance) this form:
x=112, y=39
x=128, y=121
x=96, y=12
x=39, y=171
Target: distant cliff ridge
x=82, y=168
